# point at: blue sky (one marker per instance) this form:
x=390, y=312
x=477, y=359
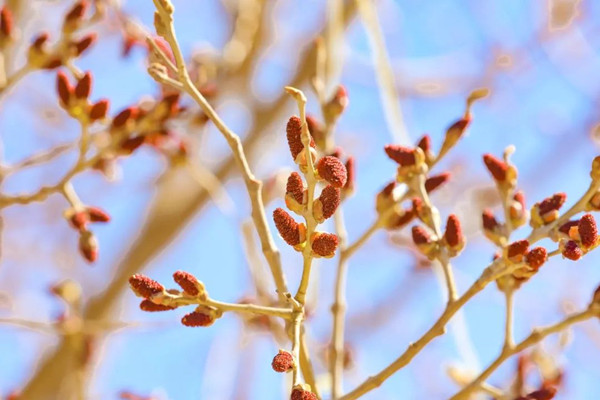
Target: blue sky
x=545, y=104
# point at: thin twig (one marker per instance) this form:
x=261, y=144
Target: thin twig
x=536, y=336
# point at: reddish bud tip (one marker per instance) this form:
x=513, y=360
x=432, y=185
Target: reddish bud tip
x=536, y=257
x=84, y=86
x=351, y=172
x=294, y=136
x=147, y=305
x=129, y=113
x=489, y=221
x=130, y=145
x=518, y=248
x=196, y=319
x=552, y=203
x=330, y=200
x=453, y=234
x=324, y=244
x=63, y=88
x=425, y=143
x=88, y=246
x=188, y=282
x=333, y=171
x=283, y=362
x=546, y=393
x=436, y=181
x=84, y=44
x=497, y=167
x=77, y=11
x=96, y=214
x=288, y=228
x=566, y=227
x=404, y=156
x=388, y=189
x=588, y=231
x=99, y=110
x=144, y=286
x=6, y=22
x=420, y=236
x=572, y=251
x=299, y=393
x=79, y=220
x=40, y=40
x=295, y=187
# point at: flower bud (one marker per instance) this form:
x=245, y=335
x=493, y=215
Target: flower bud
x=517, y=250
x=149, y=306
x=188, y=282
x=536, y=257
x=64, y=89
x=325, y=206
x=145, y=287
x=292, y=232
x=404, y=156
x=295, y=193
x=349, y=187
x=546, y=211
x=497, y=168
x=198, y=319
x=283, y=362
x=571, y=250
x=422, y=238
x=324, y=244
x=98, y=110
x=433, y=182
x=453, y=236
x=333, y=171
x=294, y=137
x=518, y=210
x=588, y=232
x=88, y=246
x=302, y=392
x=84, y=86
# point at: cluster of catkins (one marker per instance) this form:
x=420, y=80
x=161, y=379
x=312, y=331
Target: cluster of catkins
x=157, y=298
x=337, y=176
x=69, y=46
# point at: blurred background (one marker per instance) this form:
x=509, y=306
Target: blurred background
x=540, y=60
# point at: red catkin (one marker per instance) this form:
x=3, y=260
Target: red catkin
x=196, y=319
x=333, y=171
x=497, y=167
x=187, y=282
x=425, y=143
x=295, y=187
x=294, y=136
x=453, y=234
x=84, y=86
x=518, y=248
x=572, y=251
x=96, y=214
x=436, y=181
x=144, y=286
x=536, y=257
x=286, y=225
x=588, y=231
x=552, y=203
x=149, y=306
x=283, y=362
x=420, y=235
x=330, y=199
x=403, y=155
x=301, y=394
x=325, y=244
x=489, y=221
